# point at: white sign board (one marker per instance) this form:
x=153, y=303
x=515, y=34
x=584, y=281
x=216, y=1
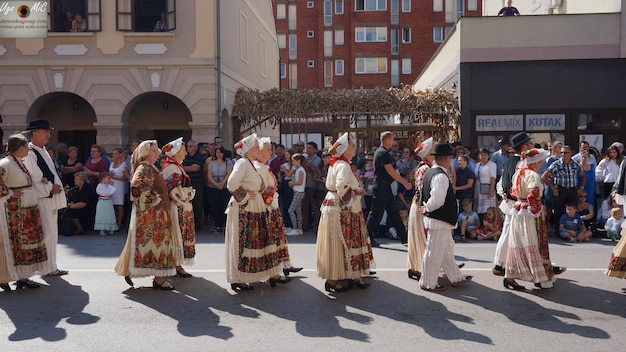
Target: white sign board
x=23, y=19
x=488, y=123
x=545, y=122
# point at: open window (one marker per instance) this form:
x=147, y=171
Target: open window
x=63, y=14
x=146, y=15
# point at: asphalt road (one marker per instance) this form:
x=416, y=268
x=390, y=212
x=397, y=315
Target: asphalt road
x=92, y=309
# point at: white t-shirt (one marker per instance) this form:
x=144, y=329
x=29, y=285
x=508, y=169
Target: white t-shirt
x=299, y=171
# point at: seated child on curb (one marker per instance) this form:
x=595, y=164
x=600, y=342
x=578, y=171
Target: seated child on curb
x=492, y=225
x=571, y=226
x=404, y=215
x=613, y=225
x=468, y=220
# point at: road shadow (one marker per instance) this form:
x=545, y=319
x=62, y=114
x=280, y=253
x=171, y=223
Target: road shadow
x=586, y=297
x=522, y=308
x=191, y=304
x=317, y=314
x=35, y=313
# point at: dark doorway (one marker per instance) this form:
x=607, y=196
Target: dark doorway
x=83, y=140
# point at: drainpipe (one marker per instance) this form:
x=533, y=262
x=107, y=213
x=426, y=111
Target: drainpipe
x=218, y=67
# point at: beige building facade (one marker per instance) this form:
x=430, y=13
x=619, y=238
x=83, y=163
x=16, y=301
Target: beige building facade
x=122, y=79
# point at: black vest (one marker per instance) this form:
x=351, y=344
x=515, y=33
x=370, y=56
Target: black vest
x=507, y=175
x=43, y=166
x=449, y=210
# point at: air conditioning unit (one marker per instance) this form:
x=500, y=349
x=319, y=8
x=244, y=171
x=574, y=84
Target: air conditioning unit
x=554, y=4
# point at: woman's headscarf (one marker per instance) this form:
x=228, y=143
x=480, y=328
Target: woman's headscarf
x=140, y=153
x=172, y=148
x=245, y=144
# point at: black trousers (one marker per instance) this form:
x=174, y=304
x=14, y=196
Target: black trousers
x=384, y=201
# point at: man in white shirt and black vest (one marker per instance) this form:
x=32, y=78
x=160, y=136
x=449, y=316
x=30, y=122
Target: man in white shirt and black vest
x=440, y=208
x=40, y=165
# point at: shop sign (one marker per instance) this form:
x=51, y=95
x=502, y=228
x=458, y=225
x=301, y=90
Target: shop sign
x=487, y=123
x=545, y=122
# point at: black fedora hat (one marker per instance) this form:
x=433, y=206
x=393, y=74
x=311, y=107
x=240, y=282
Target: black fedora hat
x=519, y=139
x=443, y=149
x=39, y=125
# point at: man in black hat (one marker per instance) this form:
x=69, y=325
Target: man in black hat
x=48, y=184
x=441, y=211
x=520, y=142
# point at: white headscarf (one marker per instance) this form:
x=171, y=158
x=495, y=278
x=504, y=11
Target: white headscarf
x=140, y=153
x=172, y=148
x=535, y=155
x=245, y=144
x=263, y=141
x=340, y=146
x=424, y=148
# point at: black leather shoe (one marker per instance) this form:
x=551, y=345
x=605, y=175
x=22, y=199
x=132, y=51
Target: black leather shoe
x=241, y=287
x=415, y=275
x=558, y=270
x=512, y=285
x=461, y=265
x=183, y=273
x=129, y=281
x=160, y=286
x=280, y=280
x=27, y=284
x=287, y=271
x=374, y=243
x=333, y=288
x=6, y=287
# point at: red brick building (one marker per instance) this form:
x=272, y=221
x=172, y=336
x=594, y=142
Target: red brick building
x=347, y=44
x=351, y=44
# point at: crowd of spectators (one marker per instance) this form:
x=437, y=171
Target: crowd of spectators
x=475, y=173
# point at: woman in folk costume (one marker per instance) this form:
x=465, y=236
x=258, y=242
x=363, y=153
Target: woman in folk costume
x=181, y=195
x=617, y=265
x=528, y=256
x=270, y=196
x=344, y=250
x=152, y=247
x=416, y=232
x=251, y=253
x=22, y=247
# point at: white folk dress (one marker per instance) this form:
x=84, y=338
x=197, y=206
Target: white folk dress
x=22, y=248
x=251, y=256
x=344, y=250
x=524, y=259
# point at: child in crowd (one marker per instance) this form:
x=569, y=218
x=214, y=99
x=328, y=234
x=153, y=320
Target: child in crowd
x=297, y=184
x=613, y=225
x=468, y=221
x=105, y=214
x=492, y=225
x=572, y=226
x=404, y=215
x=604, y=213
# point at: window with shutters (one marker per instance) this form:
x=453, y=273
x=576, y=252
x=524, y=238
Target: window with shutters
x=62, y=13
